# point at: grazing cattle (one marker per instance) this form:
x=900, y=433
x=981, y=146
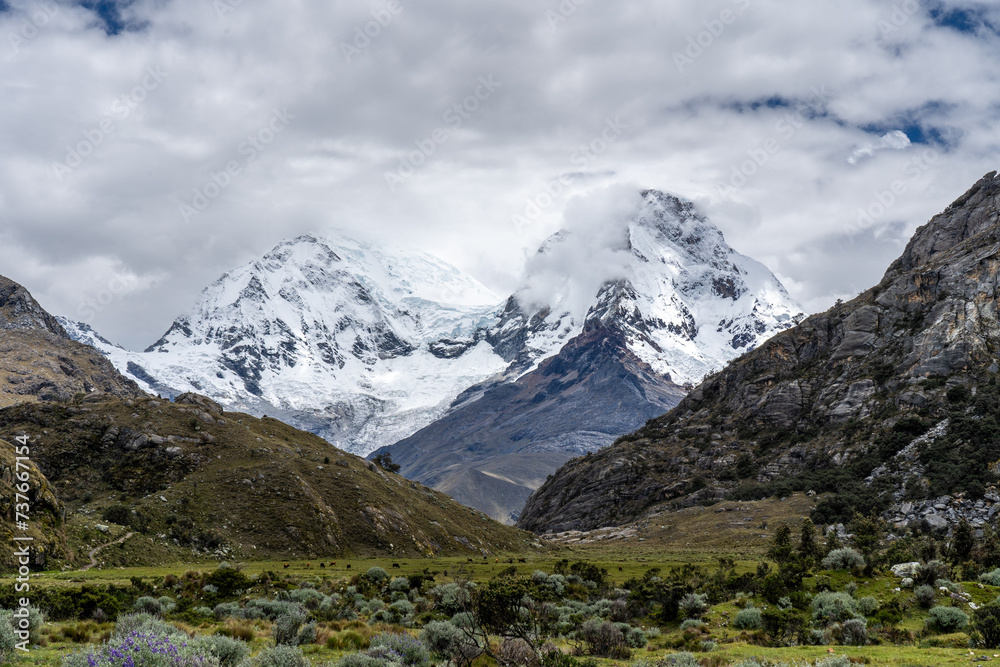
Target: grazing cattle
x=496, y=560
x=521, y=560
x=470, y=560
x=322, y=564
x=286, y=566
x=308, y=565
x=333, y=563
x=348, y=566
x=395, y=566
x=620, y=569
x=510, y=561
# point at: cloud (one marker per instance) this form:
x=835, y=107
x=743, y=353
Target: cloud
x=227, y=68
x=895, y=140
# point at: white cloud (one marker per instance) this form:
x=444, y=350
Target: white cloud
x=895, y=140
x=686, y=131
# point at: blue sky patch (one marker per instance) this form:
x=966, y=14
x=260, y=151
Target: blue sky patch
x=972, y=20
x=110, y=16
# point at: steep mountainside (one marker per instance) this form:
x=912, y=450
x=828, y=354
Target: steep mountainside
x=39, y=361
x=186, y=476
x=491, y=453
x=680, y=302
x=685, y=301
x=888, y=402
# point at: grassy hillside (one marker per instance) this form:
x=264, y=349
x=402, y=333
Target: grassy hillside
x=191, y=481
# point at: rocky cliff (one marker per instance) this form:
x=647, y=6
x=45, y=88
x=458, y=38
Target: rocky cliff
x=39, y=361
x=884, y=400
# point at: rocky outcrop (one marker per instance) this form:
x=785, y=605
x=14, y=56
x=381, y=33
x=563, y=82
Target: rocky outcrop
x=39, y=361
x=831, y=392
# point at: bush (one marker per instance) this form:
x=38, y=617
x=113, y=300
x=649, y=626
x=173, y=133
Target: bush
x=225, y=610
x=694, y=604
x=867, y=606
x=748, y=619
x=845, y=558
x=636, y=638
x=286, y=627
x=604, y=639
x=925, y=596
x=987, y=623
x=991, y=578
x=7, y=639
x=931, y=571
x=450, y=598
x=167, y=605
x=400, y=647
x=229, y=652
x=442, y=638
x=855, y=632
x=399, y=584
x=833, y=607
x=682, y=659
x=148, y=649
x=279, y=656
x=947, y=619
x=147, y=605
x=835, y=661
x=376, y=575
x=401, y=612
x=692, y=623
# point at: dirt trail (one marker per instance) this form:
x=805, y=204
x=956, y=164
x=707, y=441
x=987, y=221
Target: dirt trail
x=93, y=552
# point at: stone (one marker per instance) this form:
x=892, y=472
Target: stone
x=905, y=569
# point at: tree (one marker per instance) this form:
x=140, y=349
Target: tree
x=808, y=548
x=384, y=461
x=868, y=533
x=961, y=543
x=781, y=550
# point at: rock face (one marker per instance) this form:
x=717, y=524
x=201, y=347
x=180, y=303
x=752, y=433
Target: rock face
x=492, y=452
x=39, y=361
x=843, y=393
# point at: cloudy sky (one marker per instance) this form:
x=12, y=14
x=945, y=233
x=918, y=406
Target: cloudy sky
x=147, y=146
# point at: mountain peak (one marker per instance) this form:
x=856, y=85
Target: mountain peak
x=19, y=310
x=973, y=213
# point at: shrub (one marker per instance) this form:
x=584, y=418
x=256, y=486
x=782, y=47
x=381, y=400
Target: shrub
x=931, y=571
x=286, y=627
x=867, y=606
x=450, y=598
x=987, y=623
x=845, y=558
x=401, y=648
x=376, y=575
x=925, y=596
x=692, y=623
x=148, y=649
x=835, y=661
x=401, y=612
x=7, y=639
x=147, y=605
x=708, y=646
x=442, y=638
x=229, y=652
x=604, y=639
x=748, y=619
x=833, y=607
x=991, y=578
x=167, y=604
x=636, y=638
x=399, y=584
x=682, y=659
x=144, y=623
x=279, y=656
x=947, y=619
x=225, y=610
x=307, y=597
x=694, y=604
x=855, y=632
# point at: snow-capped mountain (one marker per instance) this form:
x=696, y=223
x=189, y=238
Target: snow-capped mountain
x=365, y=346
x=686, y=301
x=362, y=345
